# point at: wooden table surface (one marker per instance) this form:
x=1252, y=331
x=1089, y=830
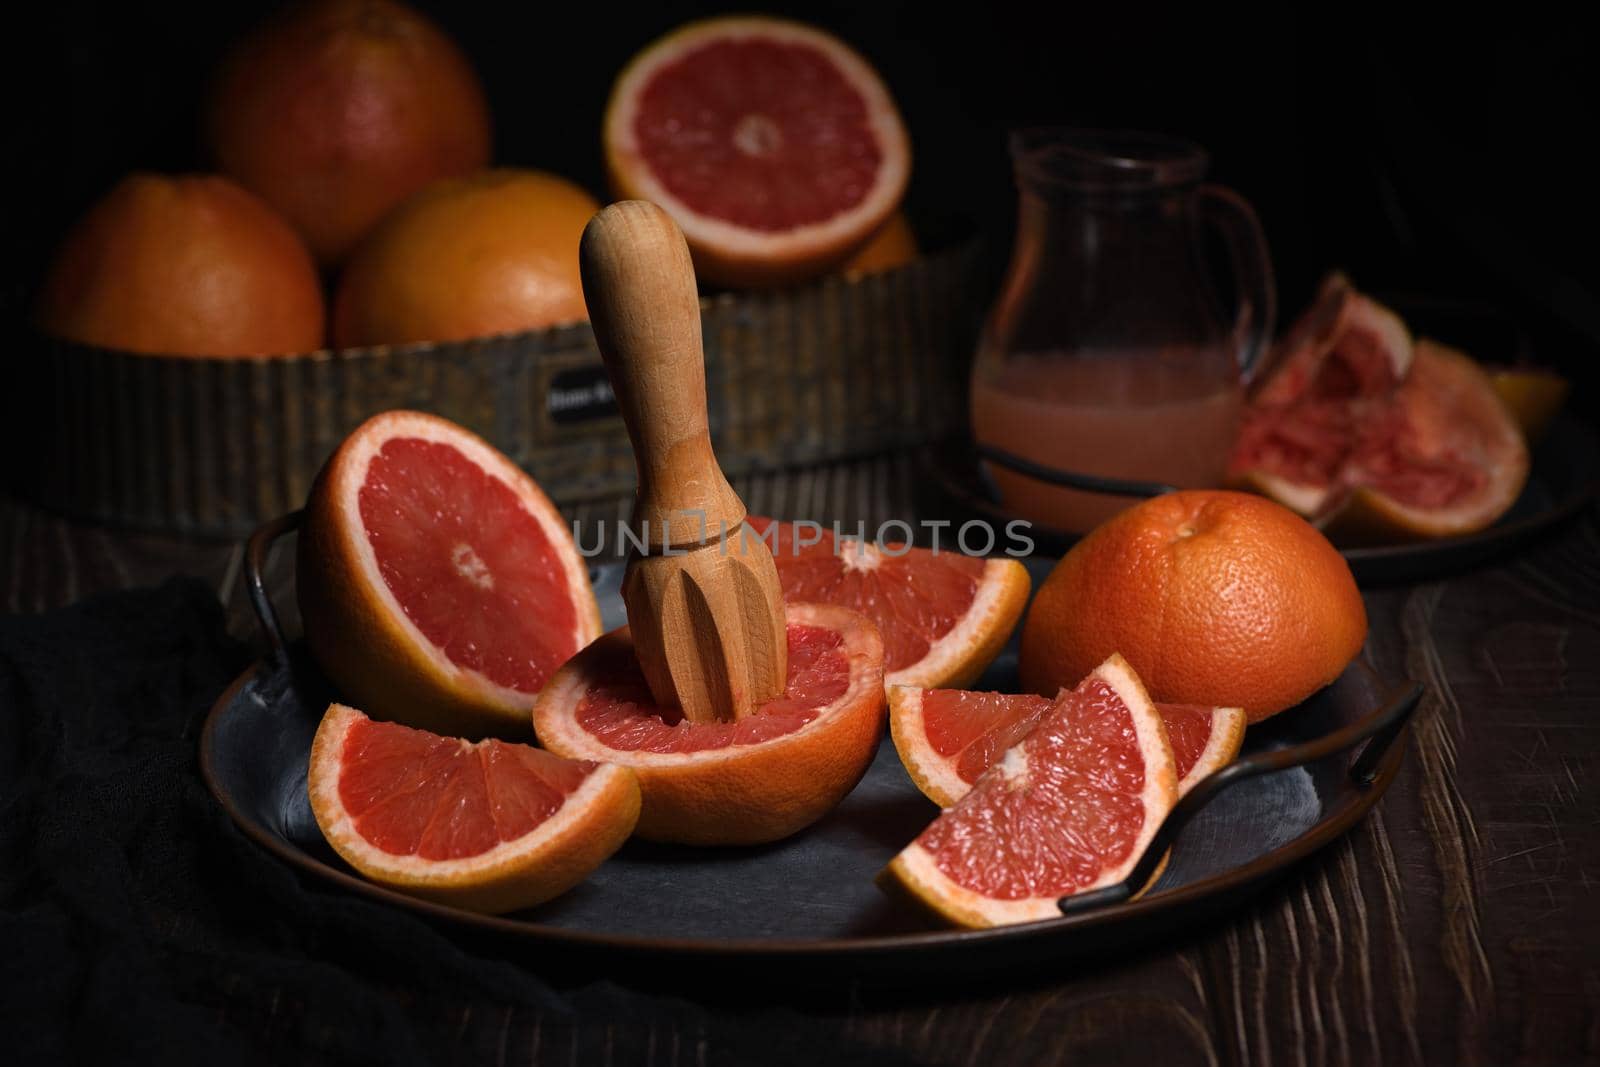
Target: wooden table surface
x=1458, y=923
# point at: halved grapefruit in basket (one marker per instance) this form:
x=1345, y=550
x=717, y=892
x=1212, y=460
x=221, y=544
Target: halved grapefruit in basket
x=436, y=581
x=1069, y=808
x=759, y=779
x=947, y=738
x=489, y=827
x=943, y=616
x=775, y=146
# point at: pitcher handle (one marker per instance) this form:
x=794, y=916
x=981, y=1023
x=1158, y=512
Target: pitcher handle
x=1252, y=270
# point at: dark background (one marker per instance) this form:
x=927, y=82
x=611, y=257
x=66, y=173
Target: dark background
x=1438, y=156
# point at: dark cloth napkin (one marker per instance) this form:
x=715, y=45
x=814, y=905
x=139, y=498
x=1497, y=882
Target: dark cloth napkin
x=138, y=924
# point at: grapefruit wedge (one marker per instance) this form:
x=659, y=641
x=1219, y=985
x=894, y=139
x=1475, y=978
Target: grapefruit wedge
x=1069, y=808
x=775, y=146
x=489, y=827
x=947, y=738
x=943, y=616
x=758, y=779
x=436, y=581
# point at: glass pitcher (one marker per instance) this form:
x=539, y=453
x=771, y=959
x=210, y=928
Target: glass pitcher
x=1108, y=361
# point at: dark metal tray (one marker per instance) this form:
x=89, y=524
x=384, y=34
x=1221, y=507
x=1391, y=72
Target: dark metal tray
x=810, y=900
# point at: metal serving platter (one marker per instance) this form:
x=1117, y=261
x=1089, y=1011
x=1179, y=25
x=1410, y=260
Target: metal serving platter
x=1304, y=778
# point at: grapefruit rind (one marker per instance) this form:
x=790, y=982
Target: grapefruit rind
x=917, y=873
x=593, y=822
x=1227, y=737
x=958, y=658
x=728, y=254
x=934, y=777
x=743, y=794
x=357, y=628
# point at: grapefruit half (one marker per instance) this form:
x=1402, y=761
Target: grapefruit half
x=947, y=738
x=943, y=616
x=775, y=146
x=1444, y=457
x=1069, y=808
x=1375, y=438
x=489, y=827
x=761, y=778
x=438, y=585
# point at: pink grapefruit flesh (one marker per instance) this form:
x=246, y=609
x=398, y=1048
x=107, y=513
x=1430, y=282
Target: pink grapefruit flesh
x=757, y=779
x=766, y=158
x=943, y=615
x=491, y=826
x=470, y=566
x=1070, y=807
x=438, y=585
x=947, y=738
x=774, y=145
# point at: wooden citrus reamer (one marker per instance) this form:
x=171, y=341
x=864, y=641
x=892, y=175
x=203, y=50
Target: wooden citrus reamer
x=703, y=599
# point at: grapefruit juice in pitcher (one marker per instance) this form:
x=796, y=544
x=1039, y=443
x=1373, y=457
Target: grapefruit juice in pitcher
x=1108, y=354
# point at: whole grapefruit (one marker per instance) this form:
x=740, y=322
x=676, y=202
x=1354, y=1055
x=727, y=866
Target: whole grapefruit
x=187, y=266
x=492, y=253
x=337, y=110
x=893, y=246
x=1215, y=598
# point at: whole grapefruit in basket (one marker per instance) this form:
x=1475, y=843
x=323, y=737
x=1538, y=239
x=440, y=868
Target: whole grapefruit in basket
x=335, y=111
x=438, y=585
x=1375, y=438
x=183, y=266
x=943, y=616
x=493, y=253
x=775, y=146
x=758, y=779
x=947, y=738
x=893, y=246
x=1069, y=808
x=1216, y=598
x=489, y=827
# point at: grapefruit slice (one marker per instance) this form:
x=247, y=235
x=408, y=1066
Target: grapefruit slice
x=761, y=778
x=943, y=616
x=775, y=146
x=436, y=581
x=489, y=827
x=1069, y=808
x=947, y=738
x=1374, y=438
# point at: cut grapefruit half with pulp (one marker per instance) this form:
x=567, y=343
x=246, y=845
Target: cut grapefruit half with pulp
x=761, y=778
x=437, y=583
x=1069, y=808
x=1376, y=438
x=490, y=827
x=1444, y=458
x=775, y=146
x=943, y=616
x=947, y=738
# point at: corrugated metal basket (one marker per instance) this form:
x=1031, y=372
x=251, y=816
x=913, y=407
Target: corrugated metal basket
x=212, y=447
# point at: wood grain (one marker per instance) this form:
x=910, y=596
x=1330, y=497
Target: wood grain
x=1459, y=923
x=707, y=619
